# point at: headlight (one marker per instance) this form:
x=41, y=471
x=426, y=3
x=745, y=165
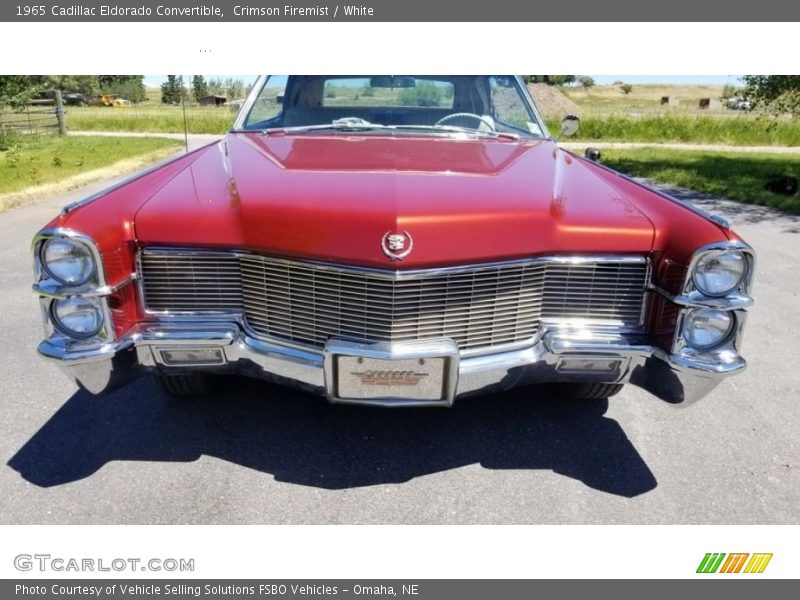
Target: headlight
x=77, y=317
x=68, y=261
x=705, y=328
x=719, y=271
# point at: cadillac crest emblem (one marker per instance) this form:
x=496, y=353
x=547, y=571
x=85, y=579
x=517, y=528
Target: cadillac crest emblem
x=397, y=245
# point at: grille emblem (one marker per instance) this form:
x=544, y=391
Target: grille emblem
x=397, y=245
x=389, y=378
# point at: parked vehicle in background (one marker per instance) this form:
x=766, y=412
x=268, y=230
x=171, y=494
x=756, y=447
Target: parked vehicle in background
x=69, y=98
x=739, y=103
x=110, y=100
x=75, y=99
x=393, y=240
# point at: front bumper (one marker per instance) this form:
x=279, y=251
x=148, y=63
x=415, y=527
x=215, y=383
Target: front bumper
x=557, y=356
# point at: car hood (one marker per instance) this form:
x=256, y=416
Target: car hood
x=335, y=198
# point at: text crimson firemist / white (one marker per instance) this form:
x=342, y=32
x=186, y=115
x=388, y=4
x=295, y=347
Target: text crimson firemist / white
x=290, y=10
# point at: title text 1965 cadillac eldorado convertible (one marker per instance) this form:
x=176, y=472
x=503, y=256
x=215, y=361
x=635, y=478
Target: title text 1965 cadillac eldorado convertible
x=392, y=240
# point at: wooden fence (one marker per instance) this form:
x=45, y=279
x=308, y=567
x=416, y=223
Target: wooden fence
x=39, y=116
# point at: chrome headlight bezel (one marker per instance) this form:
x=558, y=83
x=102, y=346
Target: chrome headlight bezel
x=742, y=286
x=58, y=320
x=699, y=274
x=693, y=297
x=696, y=313
x=88, y=271
x=51, y=289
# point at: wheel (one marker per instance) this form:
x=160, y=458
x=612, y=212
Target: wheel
x=187, y=385
x=590, y=391
x=464, y=115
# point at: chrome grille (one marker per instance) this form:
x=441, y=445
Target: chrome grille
x=304, y=302
x=597, y=291
x=191, y=282
x=477, y=306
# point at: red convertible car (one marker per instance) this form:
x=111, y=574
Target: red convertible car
x=392, y=240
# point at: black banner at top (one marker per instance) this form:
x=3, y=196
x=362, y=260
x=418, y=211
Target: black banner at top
x=400, y=10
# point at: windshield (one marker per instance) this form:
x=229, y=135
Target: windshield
x=479, y=104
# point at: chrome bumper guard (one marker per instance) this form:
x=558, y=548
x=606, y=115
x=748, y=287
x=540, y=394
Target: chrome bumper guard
x=558, y=356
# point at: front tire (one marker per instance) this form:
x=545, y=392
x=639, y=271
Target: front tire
x=186, y=385
x=591, y=391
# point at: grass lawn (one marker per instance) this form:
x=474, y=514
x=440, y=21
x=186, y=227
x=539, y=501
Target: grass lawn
x=32, y=161
x=735, y=176
x=154, y=118
x=743, y=130
x=730, y=129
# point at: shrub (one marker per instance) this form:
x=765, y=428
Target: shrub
x=626, y=88
x=425, y=93
x=728, y=91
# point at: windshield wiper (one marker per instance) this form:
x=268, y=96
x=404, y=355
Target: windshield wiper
x=457, y=129
x=346, y=124
x=358, y=124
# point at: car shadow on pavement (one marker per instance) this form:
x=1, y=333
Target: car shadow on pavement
x=302, y=439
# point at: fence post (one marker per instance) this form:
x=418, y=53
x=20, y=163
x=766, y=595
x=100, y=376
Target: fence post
x=62, y=120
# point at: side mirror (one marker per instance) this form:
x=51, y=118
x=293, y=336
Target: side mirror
x=570, y=125
x=593, y=154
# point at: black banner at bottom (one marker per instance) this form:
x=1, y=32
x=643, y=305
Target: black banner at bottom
x=379, y=589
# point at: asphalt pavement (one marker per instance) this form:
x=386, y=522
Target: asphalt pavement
x=258, y=453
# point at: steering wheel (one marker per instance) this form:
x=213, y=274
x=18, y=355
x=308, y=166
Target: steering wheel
x=465, y=115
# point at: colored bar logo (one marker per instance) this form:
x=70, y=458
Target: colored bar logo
x=719, y=562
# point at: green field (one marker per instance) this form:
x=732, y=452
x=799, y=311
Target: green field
x=30, y=161
x=741, y=129
x=744, y=130
x=153, y=118
x=735, y=176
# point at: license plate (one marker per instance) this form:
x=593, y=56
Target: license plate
x=403, y=379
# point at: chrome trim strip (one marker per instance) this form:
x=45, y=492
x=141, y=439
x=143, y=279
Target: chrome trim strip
x=678, y=379
x=418, y=273
x=716, y=219
x=532, y=103
x=54, y=289
x=247, y=105
x=131, y=178
x=734, y=301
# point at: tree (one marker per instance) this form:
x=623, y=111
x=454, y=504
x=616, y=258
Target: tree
x=172, y=90
x=234, y=88
x=199, y=87
x=729, y=91
x=626, y=88
x=778, y=93
x=216, y=86
x=425, y=93
x=549, y=79
x=84, y=84
x=131, y=87
x=16, y=90
x=586, y=81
